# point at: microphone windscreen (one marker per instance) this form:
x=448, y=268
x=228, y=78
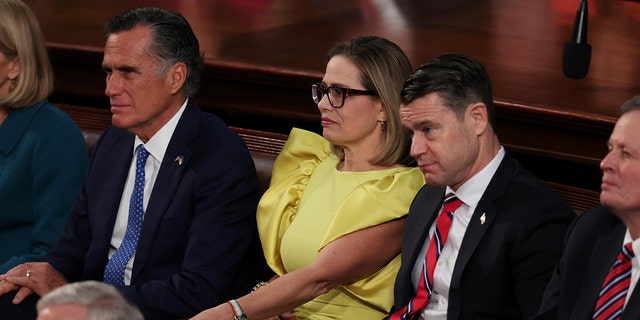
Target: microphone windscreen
x=575, y=59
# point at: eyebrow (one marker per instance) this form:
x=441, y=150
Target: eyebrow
x=337, y=84
x=425, y=123
x=123, y=68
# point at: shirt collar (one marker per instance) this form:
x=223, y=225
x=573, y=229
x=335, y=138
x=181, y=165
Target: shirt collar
x=472, y=190
x=635, y=245
x=157, y=145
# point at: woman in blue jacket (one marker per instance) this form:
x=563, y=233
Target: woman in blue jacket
x=43, y=155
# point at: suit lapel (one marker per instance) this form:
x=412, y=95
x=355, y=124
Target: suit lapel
x=632, y=310
x=422, y=214
x=174, y=164
x=604, y=253
x=482, y=218
x=120, y=153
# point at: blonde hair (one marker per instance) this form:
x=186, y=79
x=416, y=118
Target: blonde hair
x=383, y=69
x=21, y=38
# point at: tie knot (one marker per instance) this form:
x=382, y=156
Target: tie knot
x=451, y=203
x=142, y=153
x=627, y=252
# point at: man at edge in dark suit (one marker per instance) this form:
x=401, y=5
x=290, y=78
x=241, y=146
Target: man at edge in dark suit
x=507, y=233
x=198, y=244
x=596, y=237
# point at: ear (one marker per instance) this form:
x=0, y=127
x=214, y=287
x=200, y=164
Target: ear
x=382, y=113
x=477, y=113
x=177, y=76
x=14, y=69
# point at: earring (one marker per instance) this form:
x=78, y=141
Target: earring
x=12, y=85
x=383, y=125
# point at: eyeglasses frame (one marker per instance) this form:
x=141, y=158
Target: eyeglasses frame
x=347, y=92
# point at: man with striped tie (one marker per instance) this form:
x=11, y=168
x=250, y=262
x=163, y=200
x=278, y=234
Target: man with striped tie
x=597, y=275
x=483, y=235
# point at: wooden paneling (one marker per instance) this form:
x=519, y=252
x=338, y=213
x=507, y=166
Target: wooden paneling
x=262, y=56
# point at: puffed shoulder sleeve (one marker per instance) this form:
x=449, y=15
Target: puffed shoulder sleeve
x=300, y=156
x=375, y=202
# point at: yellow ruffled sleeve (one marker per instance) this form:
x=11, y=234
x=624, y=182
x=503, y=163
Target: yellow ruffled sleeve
x=374, y=203
x=300, y=156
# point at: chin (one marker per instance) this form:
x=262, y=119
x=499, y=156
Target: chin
x=119, y=122
x=327, y=134
x=609, y=200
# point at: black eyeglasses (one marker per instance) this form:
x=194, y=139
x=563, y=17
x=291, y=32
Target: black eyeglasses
x=336, y=94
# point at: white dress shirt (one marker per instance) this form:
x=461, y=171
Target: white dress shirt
x=469, y=193
x=157, y=146
x=635, y=263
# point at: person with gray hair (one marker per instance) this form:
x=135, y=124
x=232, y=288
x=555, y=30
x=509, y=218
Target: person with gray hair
x=167, y=213
x=86, y=300
x=603, y=243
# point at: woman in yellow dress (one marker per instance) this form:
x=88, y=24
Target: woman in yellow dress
x=331, y=221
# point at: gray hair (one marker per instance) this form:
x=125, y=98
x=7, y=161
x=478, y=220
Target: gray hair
x=630, y=105
x=103, y=302
x=173, y=41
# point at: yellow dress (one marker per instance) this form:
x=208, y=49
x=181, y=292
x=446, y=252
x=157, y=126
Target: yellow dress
x=310, y=203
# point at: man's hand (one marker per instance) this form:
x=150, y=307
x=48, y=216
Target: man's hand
x=30, y=277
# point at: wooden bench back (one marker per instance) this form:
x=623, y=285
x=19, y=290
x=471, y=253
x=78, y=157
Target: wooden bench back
x=265, y=147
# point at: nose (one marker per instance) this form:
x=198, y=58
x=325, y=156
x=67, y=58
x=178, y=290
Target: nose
x=608, y=161
x=324, y=105
x=418, y=147
x=112, y=87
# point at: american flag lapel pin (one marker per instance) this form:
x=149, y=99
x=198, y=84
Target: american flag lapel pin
x=483, y=218
x=179, y=160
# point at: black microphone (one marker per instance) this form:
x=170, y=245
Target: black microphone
x=576, y=55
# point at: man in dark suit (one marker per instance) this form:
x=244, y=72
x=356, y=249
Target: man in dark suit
x=494, y=253
x=596, y=238
x=195, y=243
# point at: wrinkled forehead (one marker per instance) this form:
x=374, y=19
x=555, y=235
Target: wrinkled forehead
x=426, y=110
x=128, y=48
x=627, y=129
x=136, y=39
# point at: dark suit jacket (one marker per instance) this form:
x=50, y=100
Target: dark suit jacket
x=504, y=264
x=593, y=243
x=199, y=245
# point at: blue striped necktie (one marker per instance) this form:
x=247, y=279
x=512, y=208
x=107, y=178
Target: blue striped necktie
x=114, y=272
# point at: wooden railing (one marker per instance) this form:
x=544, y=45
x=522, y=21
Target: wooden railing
x=265, y=146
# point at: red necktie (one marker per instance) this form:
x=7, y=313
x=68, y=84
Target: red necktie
x=425, y=285
x=615, y=287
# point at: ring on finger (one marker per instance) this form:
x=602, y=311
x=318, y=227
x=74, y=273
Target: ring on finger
x=28, y=273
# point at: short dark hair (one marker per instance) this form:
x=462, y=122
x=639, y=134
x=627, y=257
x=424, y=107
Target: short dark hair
x=457, y=78
x=174, y=40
